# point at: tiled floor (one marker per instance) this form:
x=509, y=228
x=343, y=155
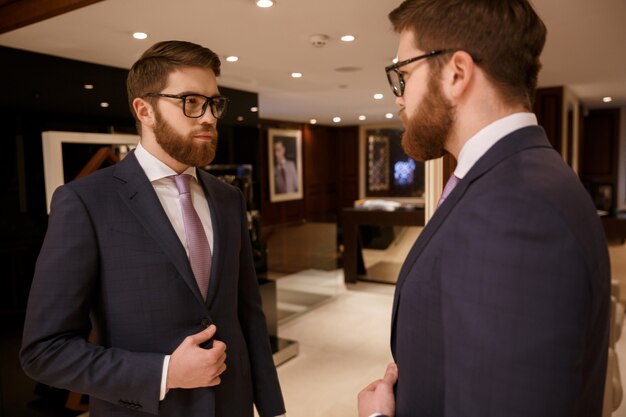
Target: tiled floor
x=344, y=345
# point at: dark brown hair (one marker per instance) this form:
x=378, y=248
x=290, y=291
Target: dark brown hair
x=149, y=74
x=505, y=37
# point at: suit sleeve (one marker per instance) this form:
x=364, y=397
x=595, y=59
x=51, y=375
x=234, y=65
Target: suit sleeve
x=267, y=393
x=517, y=304
x=55, y=349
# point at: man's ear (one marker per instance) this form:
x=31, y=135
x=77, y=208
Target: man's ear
x=144, y=112
x=458, y=74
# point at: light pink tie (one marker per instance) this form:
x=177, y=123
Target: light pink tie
x=199, y=249
x=452, y=182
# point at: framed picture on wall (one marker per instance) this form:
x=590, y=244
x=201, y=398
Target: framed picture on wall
x=285, y=164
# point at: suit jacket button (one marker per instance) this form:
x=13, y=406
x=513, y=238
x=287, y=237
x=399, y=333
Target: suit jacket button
x=205, y=323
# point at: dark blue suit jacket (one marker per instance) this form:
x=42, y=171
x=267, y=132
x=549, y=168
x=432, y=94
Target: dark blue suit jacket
x=111, y=259
x=501, y=307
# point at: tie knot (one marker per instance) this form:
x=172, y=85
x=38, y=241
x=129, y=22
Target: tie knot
x=182, y=183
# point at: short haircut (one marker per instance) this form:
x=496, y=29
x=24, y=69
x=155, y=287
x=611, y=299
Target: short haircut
x=150, y=73
x=505, y=37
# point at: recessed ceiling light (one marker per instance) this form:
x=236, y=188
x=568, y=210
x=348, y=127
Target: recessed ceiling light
x=607, y=99
x=88, y=86
x=265, y=3
x=313, y=121
x=336, y=119
x=140, y=35
x=296, y=75
x=104, y=104
x=362, y=117
x=389, y=115
x=232, y=58
x=378, y=96
x=254, y=109
x=348, y=38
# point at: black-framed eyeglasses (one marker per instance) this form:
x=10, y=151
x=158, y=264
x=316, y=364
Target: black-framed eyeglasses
x=395, y=78
x=195, y=105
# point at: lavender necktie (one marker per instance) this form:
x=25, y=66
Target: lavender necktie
x=199, y=249
x=452, y=182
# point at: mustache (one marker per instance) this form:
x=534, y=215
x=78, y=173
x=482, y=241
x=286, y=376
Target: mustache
x=205, y=129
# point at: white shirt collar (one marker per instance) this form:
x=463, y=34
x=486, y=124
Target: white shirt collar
x=154, y=168
x=488, y=136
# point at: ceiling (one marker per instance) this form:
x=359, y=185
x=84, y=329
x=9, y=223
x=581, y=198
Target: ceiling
x=585, y=50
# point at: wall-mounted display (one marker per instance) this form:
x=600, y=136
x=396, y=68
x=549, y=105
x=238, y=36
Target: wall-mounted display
x=389, y=172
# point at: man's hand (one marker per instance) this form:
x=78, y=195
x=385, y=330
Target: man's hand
x=192, y=366
x=378, y=396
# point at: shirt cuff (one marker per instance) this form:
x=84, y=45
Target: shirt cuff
x=166, y=366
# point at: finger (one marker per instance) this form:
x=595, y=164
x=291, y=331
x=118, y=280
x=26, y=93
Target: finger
x=219, y=346
x=204, y=335
x=215, y=381
x=372, y=386
x=391, y=374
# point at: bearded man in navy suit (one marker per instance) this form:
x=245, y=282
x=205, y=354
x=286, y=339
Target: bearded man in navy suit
x=501, y=306
x=175, y=309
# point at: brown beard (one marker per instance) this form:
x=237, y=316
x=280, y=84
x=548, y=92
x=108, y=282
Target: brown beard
x=185, y=150
x=426, y=132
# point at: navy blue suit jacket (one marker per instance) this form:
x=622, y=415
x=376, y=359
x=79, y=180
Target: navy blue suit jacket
x=501, y=307
x=112, y=260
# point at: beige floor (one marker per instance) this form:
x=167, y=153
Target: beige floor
x=344, y=345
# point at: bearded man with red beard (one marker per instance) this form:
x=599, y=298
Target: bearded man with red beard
x=153, y=256
x=501, y=307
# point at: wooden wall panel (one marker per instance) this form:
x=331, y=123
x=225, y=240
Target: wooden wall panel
x=16, y=14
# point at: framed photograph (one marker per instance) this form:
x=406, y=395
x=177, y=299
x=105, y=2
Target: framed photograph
x=285, y=164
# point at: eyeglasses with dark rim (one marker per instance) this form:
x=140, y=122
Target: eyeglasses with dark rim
x=395, y=77
x=195, y=105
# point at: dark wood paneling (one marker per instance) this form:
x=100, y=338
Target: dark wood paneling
x=600, y=156
x=348, y=166
x=16, y=14
x=549, y=110
x=601, y=145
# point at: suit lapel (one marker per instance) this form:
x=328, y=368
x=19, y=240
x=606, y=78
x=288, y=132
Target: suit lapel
x=139, y=195
x=522, y=139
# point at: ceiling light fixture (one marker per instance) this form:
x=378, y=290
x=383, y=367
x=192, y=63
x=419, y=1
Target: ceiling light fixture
x=88, y=86
x=378, y=96
x=313, y=121
x=607, y=99
x=296, y=75
x=336, y=119
x=265, y=3
x=104, y=104
x=254, y=109
x=140, y=35
x=389, y=115
x=348, y=38
x=232, y=58
x=362, y=117
x=240, y=118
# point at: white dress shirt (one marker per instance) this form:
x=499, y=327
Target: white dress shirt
x=488, y=136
